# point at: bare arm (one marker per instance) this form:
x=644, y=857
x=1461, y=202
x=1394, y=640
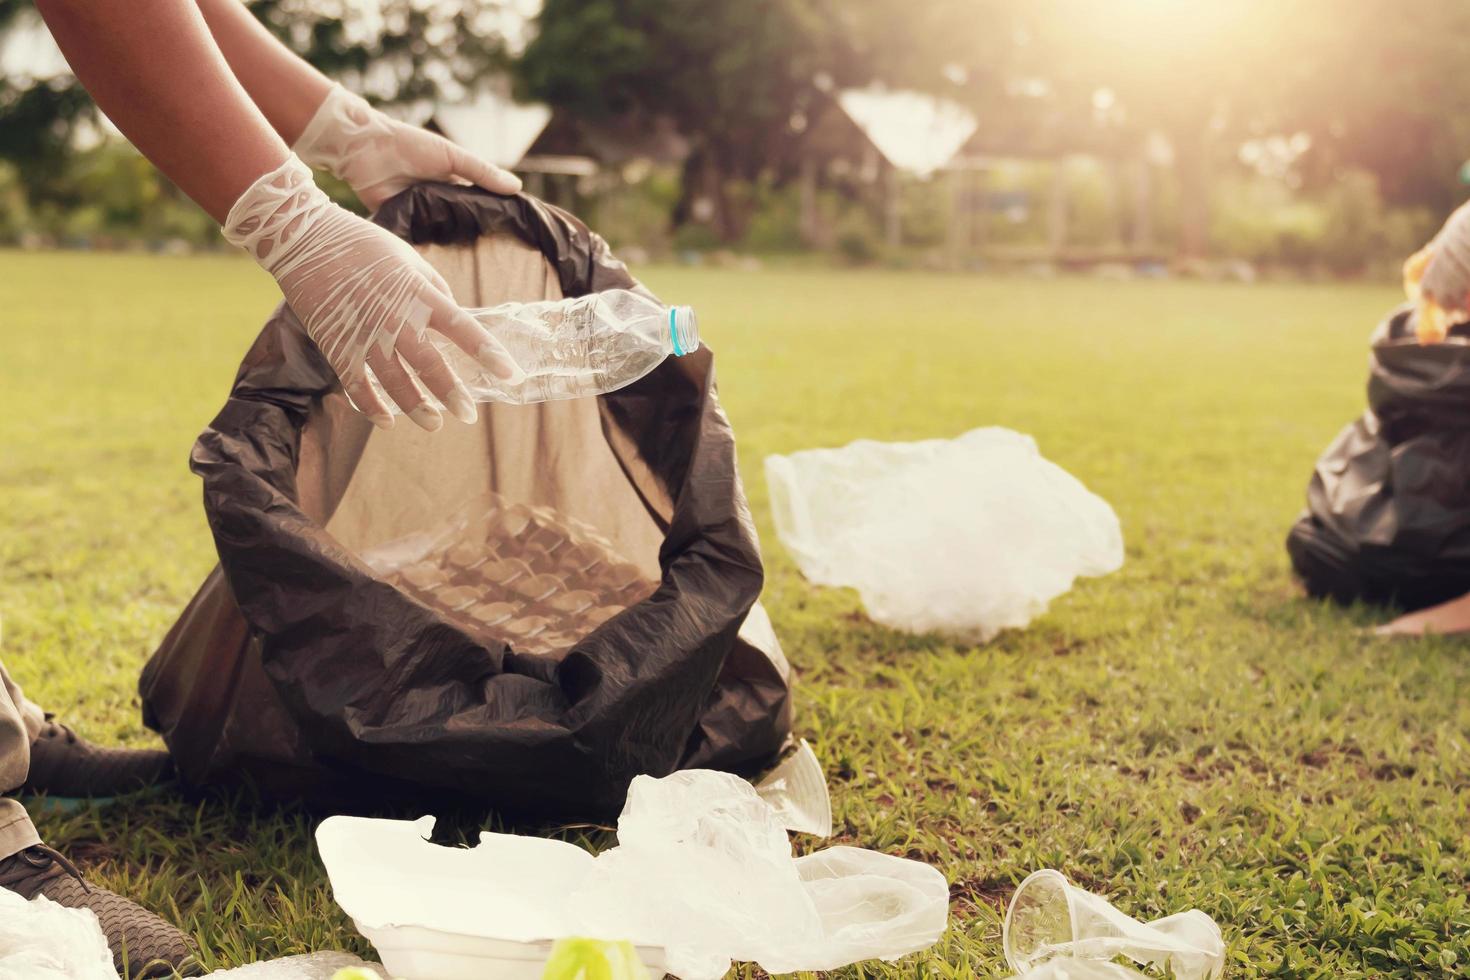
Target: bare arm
x=328, y=127
x=153, y=68
x=283, y=85
x=361, y=294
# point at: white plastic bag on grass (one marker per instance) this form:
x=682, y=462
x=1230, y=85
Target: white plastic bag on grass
x=41, y=940
x=965, y=536
x=702, y=874
x=703, y=868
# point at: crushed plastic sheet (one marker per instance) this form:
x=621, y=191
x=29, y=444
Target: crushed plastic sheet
x=41, y=940
x=1057, y=931
x=703, y=874
x=965, y=536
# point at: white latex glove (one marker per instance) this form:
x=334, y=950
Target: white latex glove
x=379, y=155
x=1437, y=278
x=364, y=297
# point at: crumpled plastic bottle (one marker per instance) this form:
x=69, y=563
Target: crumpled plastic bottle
x=576, y=347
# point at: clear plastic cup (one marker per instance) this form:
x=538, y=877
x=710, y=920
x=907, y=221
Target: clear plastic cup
x=1049, y=918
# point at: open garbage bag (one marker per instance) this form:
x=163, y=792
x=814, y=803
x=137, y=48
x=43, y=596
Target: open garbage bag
x=526, y=612
x=41, y=940
x=702, y=874
x=1388, y=505
x=965, y=536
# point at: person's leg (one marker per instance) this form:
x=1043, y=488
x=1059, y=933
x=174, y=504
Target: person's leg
x=141, y=942
x=16, y=830
x=38, y=755
x=20, y=722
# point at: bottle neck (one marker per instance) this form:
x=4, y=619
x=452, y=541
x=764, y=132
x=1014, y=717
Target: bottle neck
x=683, y=330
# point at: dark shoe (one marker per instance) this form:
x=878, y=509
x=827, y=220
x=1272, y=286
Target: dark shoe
x=143, y=945
x=65, y=764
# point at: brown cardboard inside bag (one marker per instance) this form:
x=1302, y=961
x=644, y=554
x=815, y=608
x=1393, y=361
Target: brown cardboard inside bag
x=375, y=487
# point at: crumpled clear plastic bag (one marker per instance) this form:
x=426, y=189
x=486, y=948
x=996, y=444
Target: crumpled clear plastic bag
x=704, y=868
x=965, y=536
x=41, y=940
x=1057, y=931
x=703, y=874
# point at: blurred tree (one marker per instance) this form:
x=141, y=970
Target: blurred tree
x=1372, y=87
x=36, y=115
x=743, y=81
x=395, y=50
x=730, y=76
x=1377, y=90
x=391, y=51
x=1202, y=74
x=1383, y=89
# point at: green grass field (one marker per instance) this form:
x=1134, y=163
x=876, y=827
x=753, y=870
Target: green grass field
x=1187, y=732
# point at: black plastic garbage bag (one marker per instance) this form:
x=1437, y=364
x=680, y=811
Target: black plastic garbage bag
x=1388, y=508
x=526, y=612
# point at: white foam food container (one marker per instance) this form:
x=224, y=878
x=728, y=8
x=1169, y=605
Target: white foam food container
x=489, y=912
x=419, y=953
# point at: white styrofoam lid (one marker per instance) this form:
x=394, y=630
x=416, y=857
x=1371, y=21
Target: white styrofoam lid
x=387, y=873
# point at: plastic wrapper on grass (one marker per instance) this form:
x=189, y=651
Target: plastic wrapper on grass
x=702, y=874
x=41, y=940
x=965, y=536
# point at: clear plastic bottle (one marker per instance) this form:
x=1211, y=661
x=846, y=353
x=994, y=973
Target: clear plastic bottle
x=572, y=348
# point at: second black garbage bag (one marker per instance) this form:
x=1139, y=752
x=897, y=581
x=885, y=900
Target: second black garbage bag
x=1388, y=506
x=526, y=612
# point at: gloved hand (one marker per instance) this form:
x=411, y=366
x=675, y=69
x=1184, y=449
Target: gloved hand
x=380, y=156
x=364, y=297
x=1437, y=278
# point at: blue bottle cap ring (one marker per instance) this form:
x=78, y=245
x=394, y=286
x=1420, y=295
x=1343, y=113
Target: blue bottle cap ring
x=683, y=330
